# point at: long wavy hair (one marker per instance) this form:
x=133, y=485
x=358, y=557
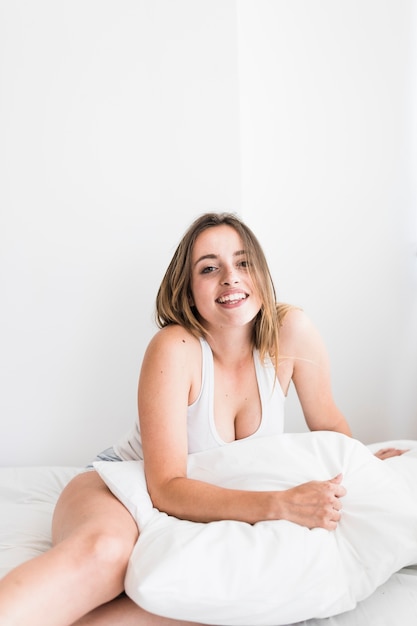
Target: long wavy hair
x=174, y=297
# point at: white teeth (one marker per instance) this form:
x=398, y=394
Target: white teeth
x=235, y=297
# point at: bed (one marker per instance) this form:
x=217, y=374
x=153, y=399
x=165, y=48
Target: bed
x=28, y=495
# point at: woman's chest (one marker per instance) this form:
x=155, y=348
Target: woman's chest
x=237, y=403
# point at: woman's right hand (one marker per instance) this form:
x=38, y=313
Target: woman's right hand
x=316, y=504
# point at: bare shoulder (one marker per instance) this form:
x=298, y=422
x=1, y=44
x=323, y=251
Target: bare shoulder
x=174, y=342
x=296, y=321
x=170, y=368
x=299, y=337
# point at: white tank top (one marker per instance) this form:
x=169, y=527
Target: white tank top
x=202, y=432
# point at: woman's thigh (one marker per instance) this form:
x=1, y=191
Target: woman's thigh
x=87, y=507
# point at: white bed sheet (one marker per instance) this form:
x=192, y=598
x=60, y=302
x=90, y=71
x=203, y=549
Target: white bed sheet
x=27, y=500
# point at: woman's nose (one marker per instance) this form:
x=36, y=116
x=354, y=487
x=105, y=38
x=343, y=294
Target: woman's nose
x=230, y=276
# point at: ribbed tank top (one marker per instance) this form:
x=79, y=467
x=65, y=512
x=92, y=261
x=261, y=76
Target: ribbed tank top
x=202, y=432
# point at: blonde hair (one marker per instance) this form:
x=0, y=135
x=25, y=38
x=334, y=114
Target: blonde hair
x=173, y=301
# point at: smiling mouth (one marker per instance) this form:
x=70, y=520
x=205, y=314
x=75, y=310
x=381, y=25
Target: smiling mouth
x=232, y=298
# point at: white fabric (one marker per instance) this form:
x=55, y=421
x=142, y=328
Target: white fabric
x=393, y=604
x=27, y=500
x=272, y=573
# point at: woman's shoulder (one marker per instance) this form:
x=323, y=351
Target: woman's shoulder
x=296, y=327
x=299, y=336
x=174, y=338
x=291, y=317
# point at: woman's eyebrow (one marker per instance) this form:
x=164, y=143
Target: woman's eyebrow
x=206, y=256
x=215, y=256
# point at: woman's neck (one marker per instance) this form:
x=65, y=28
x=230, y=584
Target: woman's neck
x=231, y=346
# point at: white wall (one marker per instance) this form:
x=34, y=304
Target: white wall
x=118, y=125
x=328, y=105
x=121, y=120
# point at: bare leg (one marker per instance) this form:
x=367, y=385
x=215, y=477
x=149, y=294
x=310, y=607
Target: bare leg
x=124, y=612
x=94, y=536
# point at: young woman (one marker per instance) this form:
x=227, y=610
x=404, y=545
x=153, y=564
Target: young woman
x=217, y=370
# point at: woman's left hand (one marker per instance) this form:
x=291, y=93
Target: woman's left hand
x=387, y=453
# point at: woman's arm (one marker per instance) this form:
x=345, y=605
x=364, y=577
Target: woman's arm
x=311, y=377
x=169, y=381
x=302, y=344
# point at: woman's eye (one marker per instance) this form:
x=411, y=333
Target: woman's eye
x=208, y=269
x=244, y=264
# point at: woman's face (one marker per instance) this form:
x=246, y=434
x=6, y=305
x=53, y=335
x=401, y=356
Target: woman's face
x=222, y=288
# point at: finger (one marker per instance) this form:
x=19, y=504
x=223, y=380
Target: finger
x=333, y=521
x=337, y=479
x=337, y=504
x=338, y=489
x=387, y=453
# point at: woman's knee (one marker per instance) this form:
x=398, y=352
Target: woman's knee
x=102, y=548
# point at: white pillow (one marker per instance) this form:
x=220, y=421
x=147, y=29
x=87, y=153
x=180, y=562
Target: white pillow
x=276, y=572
